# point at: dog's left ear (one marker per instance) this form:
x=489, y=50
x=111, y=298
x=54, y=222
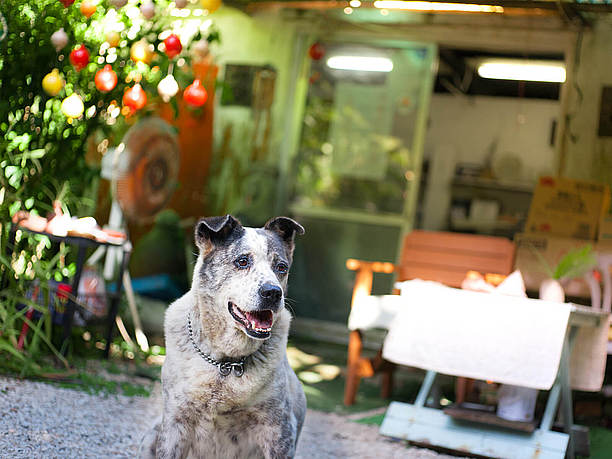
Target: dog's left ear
x=286, y=228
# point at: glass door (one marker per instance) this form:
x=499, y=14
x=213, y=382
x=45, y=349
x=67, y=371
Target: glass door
x=358, y=165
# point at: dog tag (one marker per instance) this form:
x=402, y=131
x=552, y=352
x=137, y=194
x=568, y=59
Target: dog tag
x=238, y=369
x=225, y=368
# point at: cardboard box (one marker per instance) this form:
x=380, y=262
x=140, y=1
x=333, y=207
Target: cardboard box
x=605, y=228
x=536, y=252
x=567, y=208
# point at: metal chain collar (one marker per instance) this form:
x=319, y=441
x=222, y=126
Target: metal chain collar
x=225, y=367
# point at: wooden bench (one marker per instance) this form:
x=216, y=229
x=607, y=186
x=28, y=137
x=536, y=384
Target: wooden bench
x=437, y=256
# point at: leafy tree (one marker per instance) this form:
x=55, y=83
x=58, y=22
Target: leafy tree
x=42, y=152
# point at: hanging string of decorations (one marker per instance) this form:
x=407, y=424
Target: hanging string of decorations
x=106, y=63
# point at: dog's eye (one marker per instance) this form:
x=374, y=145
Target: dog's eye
x=242, y=262
x=282, y=268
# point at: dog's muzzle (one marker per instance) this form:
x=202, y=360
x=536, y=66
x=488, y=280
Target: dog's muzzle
x=257, y=324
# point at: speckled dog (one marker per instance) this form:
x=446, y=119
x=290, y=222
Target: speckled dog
x=228, y=389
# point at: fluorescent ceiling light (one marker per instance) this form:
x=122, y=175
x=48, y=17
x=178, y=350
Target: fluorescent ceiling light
x=360, y=63
x=438, y=7
x=523, y=70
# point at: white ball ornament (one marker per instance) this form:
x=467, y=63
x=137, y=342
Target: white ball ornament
x=118, y=3
x=147, y=9
x=59, y=39
x=72, y=106
x=200, y=48
x=167, y=88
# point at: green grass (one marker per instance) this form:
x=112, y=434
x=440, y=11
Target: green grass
x=601, y=442
x=98, y=385
x=327, y=394
x=372, y=420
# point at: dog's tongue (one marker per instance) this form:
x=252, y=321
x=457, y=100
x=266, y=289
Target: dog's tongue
x=260, y=319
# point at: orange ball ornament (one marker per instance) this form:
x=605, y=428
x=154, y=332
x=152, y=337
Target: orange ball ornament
x=211, y=5
x=113, y=38
x=141, y=52
x=135, y=98
x=88, y=8
x=53, y=83
x=195, y=94
x=106, y=79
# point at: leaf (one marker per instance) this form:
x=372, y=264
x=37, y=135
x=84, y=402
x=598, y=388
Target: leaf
x=50, y=345
x=11, y=350
x=576, y=263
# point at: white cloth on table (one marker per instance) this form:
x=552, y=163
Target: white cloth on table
x=372, y=311
x=589, y=355
x=488, y=336
x=504, y=339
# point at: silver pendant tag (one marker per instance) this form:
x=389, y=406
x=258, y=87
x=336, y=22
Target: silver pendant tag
x=226, y=368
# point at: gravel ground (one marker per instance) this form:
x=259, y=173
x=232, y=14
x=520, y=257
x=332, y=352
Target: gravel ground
x=38, y=420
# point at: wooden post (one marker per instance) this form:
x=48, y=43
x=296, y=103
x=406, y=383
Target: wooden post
x=363, y=287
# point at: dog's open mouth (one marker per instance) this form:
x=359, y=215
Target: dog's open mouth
x=257, y=324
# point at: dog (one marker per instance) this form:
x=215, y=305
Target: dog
x=228, y=390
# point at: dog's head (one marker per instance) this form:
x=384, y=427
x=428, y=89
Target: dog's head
x=242, y=272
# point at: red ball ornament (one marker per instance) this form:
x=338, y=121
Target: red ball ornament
x=79, y=57
x=316, y=51
x=135, y=97
x=195, y=94
x=106, y=79
x=66, y=3
x=173, y=45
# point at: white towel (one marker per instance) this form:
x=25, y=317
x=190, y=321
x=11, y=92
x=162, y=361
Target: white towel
x=478, y=335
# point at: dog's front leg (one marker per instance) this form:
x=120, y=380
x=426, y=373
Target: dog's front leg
x=174, y=439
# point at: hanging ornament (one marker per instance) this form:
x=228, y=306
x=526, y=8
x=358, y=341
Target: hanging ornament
x=106, y=79
x=72, y=106
x=167, y=88
x=118, y=3
x=147, y=9
x=66, y=3
x=316, y=76
x=141, y=52
x=53, y=83
x=88, y=8
x=195, y=94
x=113, y=38
x=173, y=45
x=200, y=48
x=316, y=51
x=211, y=5
x=135, y=98
x=59, y=39
x=180, y=3
x=79, y=57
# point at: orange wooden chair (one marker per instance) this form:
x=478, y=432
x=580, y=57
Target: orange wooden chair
x=437, y=256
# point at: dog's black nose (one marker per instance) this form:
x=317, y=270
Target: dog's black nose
x=270, y=292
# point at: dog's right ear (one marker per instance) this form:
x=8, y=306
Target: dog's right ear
x=213, y=231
